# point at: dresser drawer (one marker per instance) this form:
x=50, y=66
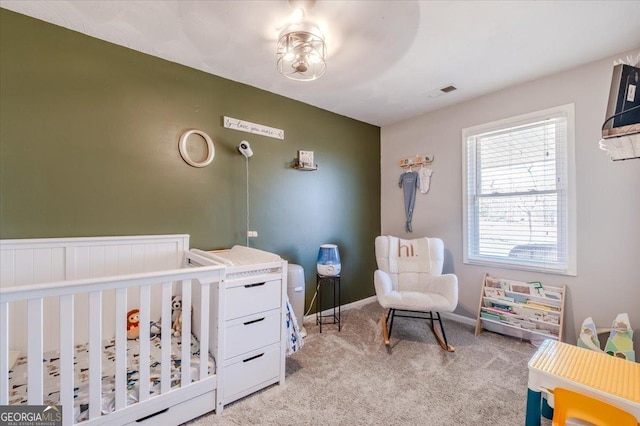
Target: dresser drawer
x=251, y=332
x=250, y=299
x=245, y=372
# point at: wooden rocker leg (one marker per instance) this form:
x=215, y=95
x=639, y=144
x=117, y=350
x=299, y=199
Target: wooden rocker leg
x=385, y=333
x=441, y=340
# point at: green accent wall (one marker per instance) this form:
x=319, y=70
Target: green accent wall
x=89, y=146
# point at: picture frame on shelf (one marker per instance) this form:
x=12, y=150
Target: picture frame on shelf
x=305, y=158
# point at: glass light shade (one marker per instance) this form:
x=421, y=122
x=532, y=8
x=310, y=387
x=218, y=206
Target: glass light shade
x=301, y=53
x=313, y=58
x=329, y=260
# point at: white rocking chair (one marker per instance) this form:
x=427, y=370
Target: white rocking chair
x=410, y=280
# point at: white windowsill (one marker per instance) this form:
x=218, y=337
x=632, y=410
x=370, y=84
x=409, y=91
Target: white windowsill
x=521, y=267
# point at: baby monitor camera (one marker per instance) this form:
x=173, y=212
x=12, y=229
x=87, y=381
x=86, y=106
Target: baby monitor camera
x=245, y=149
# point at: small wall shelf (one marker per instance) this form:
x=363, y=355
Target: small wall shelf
x=306, y=167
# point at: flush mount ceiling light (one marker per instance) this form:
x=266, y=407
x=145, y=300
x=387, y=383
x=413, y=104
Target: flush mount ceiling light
x=302, y=51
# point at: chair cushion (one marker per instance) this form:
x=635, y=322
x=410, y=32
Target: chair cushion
x=435, y=255
x=411, y=282
x=416, y=301
x=409, y=255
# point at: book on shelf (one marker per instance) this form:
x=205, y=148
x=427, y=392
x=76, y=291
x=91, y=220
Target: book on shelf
x=503, y=308
x=541, y=306
x=552, y=295
x=522, y=287
x=517, y=298
x=528, y=325
x=537, y=287
x=493, y=292
x=524, y=310
x=521, y=317
x=495, y=283
x=488, y=315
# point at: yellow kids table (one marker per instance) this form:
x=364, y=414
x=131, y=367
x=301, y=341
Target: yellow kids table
x=556, y=364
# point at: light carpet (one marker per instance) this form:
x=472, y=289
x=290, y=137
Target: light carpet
x=350, y=378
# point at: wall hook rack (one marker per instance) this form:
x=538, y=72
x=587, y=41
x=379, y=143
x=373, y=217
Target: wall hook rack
x=417, y=160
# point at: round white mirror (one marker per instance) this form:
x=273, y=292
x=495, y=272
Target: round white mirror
x=211, y=151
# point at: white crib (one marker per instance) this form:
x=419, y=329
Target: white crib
x=57, y=295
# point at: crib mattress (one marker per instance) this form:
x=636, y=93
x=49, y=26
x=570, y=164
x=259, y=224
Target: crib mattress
x=51, y=364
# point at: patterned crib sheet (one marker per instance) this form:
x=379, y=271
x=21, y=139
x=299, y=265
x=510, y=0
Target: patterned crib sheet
x=51, y=361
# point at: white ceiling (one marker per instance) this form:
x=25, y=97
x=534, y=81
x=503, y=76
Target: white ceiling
x=384, y=56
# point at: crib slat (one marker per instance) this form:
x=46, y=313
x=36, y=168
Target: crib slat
x=4, y=354
x=145, y=317
x=165, y=383
x=121, y=348
x=34, y=362
x=66, y=358
x=185, y=364
x=204, y=330
x=95, y=353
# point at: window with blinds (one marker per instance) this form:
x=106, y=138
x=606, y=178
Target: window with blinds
x=519, y=192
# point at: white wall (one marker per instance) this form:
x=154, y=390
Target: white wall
x=608, y=194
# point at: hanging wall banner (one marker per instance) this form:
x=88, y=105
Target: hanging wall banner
x=249, y=127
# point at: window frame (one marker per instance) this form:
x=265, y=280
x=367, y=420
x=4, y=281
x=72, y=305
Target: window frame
x=565, y=231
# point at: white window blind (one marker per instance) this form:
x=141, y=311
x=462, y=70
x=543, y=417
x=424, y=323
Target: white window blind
x=519, y=192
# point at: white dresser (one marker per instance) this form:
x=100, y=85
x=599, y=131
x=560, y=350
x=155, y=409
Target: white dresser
x=253, y=334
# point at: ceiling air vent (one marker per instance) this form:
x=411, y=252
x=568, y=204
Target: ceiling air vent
x=439, y=92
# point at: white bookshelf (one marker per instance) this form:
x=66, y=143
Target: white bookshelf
x=526, y=310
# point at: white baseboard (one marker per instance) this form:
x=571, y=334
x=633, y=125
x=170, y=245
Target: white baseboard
x=358, y=303
x=459, y=318
x=352, y=305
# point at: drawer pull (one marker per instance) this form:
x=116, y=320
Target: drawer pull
x=252, y=358
x=254, y=321
x=152, y=415
x=254, y=285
